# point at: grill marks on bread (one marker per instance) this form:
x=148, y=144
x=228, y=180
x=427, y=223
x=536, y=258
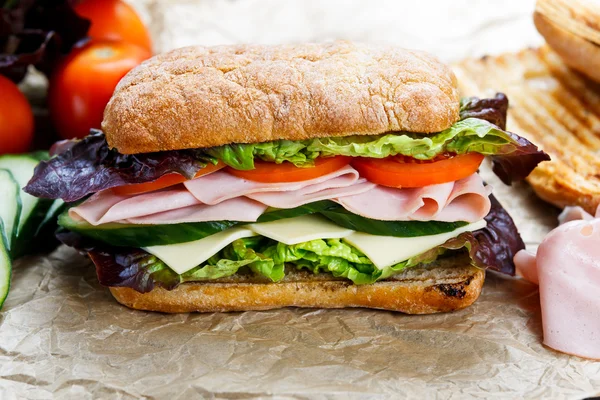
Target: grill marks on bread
x=554, y=107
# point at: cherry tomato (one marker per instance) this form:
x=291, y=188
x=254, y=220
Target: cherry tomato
x=163, y=182
x=16, y=119
x=114, y=20
x=84, y=82
x=407, y=172
x=288, y=172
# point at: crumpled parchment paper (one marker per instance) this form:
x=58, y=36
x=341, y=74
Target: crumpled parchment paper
x=63, y=336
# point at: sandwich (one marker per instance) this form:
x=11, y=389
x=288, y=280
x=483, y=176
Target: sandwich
x=251, y=177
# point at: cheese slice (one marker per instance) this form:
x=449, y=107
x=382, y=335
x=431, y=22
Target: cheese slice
x=300, y=229
x=182, y=257
x=385, y=251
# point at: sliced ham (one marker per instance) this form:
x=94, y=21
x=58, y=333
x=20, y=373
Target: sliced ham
x=238, y=209
x=219, y=186
x=105, y=206
x=463, y=200
x=567, y=269
x=210, y=198
x=295, y=198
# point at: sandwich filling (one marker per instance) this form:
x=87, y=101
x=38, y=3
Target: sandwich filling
x=362, y=208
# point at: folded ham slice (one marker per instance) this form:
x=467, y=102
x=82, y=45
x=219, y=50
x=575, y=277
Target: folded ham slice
x=171, y=206
x=567, y=269
x=104, y=207
x=238, y=209
x=463, y=200
x=221, y=196
x=219, y=186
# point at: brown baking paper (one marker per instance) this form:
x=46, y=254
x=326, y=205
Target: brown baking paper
x=62, y=335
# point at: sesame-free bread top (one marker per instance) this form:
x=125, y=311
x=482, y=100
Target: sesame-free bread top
x=197, y=97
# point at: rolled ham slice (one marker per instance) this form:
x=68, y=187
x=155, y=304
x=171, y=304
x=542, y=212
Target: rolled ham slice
x=463, y=200
x=104, y=207
x=211, y=198
x=567, y=269
x=295, y=198
x=238, y=209
x=220, y=186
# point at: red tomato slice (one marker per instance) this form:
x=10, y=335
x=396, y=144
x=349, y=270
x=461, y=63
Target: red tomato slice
x=269, y=172
x=402, y=171
x=163, y=182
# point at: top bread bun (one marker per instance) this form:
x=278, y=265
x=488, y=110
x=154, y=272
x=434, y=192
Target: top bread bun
x=198, y=97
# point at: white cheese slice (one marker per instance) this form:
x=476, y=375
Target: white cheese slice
x=384, y=251
x=300, y=229
x=182, y=257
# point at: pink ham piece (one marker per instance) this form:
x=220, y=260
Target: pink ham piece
x=567, y=267
x=104, y=207
x=310, y=194
x=171, y=206
x=238, y=209
x=219, y=186
x=463, y=200
x=221, y=196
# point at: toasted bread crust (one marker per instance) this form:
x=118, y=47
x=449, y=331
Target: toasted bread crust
x=579, y=17
x=576, y=51
x=417, y=291
x=198, y=97
x=554, y=107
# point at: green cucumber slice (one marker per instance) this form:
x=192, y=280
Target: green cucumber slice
x=346, y=219
x=5, y=269
x=52, y=214
x=21, y=166
x=33, y=210
x=10, y=207
x=144, y=235
x=281, y=213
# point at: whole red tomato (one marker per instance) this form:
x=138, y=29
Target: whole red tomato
x=84, y=82
x=114, y=20
x=16, y=119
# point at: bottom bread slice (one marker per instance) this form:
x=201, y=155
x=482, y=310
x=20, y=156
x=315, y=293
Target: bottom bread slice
x=447, y=285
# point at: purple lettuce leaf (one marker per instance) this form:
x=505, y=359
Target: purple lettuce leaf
x=89, y=166
x=37, y=33
x=492, y=110
x=518, y=164
x=494, y=246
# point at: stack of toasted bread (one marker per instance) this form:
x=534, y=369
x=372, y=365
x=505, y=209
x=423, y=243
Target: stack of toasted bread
x=554, y=107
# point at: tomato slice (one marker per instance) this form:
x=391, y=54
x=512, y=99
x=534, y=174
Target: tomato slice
x=269, y=172
x=164, y=181
x=399, y=171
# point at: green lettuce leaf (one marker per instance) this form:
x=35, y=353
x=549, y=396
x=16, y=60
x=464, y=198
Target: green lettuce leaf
x=465, y=136
x=141, y=271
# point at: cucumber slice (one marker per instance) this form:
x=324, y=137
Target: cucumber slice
x=33, y=210
x=5, y=269
x=10, y=207
x=21, y=166
x=52, y=214
x=144, y=235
